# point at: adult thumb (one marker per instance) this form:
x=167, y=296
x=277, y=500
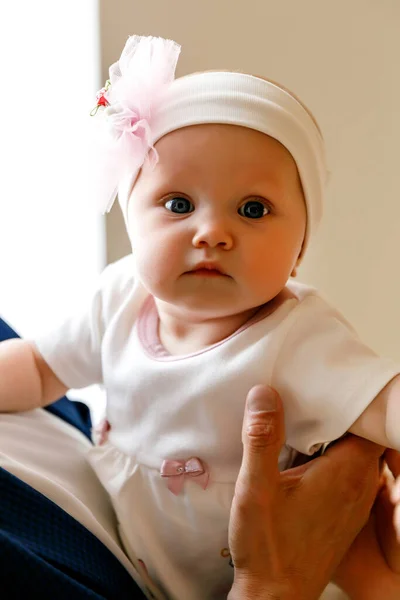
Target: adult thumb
x=263, y=436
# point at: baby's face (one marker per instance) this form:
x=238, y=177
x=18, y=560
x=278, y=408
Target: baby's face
x=223, y=195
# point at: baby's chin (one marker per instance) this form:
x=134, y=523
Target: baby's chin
x=200, y=309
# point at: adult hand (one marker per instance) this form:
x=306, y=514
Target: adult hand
x=290, y=530
x=370, y=569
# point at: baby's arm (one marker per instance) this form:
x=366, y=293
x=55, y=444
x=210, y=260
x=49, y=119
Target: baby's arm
x=26, y=381
x=380, y=422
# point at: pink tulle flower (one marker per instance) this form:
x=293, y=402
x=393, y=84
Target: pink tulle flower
x=128, y=102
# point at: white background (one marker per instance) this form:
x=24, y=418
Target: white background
x=52, y=238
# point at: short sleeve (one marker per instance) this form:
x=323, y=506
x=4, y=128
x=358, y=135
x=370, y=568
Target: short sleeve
x=73, y=349
x=325, y=375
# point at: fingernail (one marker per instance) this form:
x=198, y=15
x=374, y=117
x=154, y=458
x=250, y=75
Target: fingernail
x=262, y=399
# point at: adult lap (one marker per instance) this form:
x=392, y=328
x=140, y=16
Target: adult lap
x=50, y=455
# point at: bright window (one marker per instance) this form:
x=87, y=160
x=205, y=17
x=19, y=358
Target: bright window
x=52, y=240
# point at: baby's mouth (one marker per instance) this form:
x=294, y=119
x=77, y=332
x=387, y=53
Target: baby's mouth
x=207, y=273
x=207, y=270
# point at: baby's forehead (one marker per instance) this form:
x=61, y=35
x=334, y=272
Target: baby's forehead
x=237, y=141
x=210, y=152
x=219, y=150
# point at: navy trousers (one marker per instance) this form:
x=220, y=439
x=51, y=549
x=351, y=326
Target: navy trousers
x=46, y=553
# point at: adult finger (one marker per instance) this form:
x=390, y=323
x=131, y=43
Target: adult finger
x=263, y=437
x=392, y=458
x=364, y=454
x=361, y=449
x=387, y=529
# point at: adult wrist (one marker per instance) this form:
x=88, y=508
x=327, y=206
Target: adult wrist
x=251, y=593
x=245, y=588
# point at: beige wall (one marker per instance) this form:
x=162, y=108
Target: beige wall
x=341, y=58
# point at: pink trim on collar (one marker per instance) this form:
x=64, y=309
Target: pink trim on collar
x=148, y=321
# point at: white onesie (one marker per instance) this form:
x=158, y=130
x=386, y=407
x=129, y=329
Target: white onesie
x=174, y=448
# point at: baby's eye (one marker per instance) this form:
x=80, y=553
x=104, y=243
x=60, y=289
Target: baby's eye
x=253, y=209
x=179, y=205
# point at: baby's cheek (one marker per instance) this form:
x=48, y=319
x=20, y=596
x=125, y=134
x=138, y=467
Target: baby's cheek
x=153, y=268
x=147, y=264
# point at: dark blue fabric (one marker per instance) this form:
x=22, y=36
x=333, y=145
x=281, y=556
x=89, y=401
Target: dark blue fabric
x=75, y=413
x=44, y=552
x=47, y=554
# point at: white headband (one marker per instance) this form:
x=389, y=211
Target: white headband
x=228, y=98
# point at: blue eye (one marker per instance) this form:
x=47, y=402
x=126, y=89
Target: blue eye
x=179, y=205
x=253, y=210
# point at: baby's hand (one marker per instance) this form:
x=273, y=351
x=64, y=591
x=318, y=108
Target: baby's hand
x=387, y=510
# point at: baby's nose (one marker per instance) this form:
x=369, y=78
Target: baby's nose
x=213, y=233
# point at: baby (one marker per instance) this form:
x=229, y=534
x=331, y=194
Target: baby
x=220, y=177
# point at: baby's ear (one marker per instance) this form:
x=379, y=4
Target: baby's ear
x=294, y=270
x=298, y=261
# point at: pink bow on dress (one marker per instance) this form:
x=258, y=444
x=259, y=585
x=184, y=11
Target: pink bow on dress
x=177, y=470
